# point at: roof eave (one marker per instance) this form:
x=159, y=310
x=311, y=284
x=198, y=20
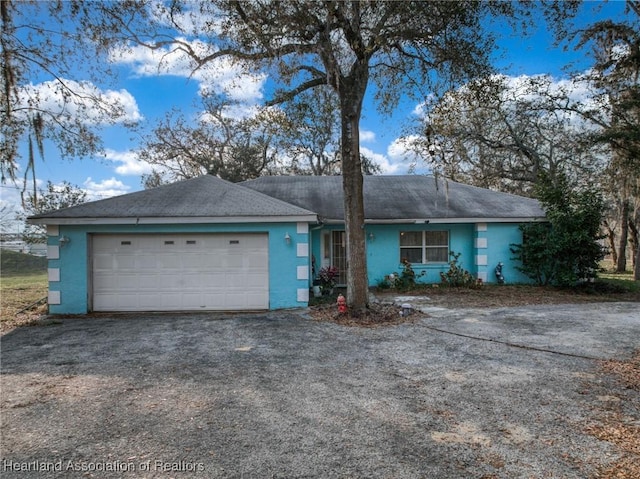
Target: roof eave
x=145, y=220
x=523, y=219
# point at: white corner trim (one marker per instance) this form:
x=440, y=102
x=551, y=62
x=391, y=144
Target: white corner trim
x=302, y=228
x=303, y=295
x=481, y=226
x=53, y=274
x=481, y=243
x=53, y=230
x=54, y=297
x=302, y=272
x=53, y=251
x=303, y=250
x=482, y=275
x=481, y=260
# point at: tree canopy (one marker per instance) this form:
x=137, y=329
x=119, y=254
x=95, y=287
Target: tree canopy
x=43, y=44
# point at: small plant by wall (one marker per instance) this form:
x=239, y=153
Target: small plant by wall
x=403, y=281
x=457, y=276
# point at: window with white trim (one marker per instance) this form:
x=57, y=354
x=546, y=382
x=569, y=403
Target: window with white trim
x=424, y=247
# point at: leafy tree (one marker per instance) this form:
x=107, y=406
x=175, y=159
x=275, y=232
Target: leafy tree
x=565, y=249
x=302, y=137
x=502, y=133
x=234, y=150
x=54, y=197
x=45, y=42
x=308, y=135
x=309, y=132
x=615, y=78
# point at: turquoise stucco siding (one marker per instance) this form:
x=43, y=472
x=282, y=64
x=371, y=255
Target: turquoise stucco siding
x=500, y=237
x=288, y=261
x=481, y=247
x=383, y=250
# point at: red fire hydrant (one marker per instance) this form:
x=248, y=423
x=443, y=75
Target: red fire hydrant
x=342, y=304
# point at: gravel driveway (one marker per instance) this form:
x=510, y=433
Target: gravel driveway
x=280, y=395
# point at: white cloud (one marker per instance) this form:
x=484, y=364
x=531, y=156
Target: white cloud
x=186, y=18
x=400, y=150
x=220, y=75
x=387, y=166
x=70, y=100
x=104, y=189
x=128, y=162
x=367, y=136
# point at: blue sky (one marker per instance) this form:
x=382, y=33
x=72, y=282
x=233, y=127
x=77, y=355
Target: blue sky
x=148, y=93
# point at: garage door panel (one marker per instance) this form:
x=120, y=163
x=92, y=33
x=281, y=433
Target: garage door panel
x=170, y=301
x=255, y=300
x=253, y=282
x=169, y=262
x=180, y=272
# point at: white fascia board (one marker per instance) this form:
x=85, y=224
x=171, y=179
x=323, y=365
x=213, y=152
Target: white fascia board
x=175, y=220
x=486, y=220
x=423, y=221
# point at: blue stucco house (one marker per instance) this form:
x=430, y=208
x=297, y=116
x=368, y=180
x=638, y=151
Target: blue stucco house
x=207, y=244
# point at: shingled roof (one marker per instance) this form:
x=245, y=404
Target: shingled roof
x=410, y=197
x=202, y=197
x=302, y=198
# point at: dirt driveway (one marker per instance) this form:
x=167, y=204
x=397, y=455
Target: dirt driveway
x=280, y=395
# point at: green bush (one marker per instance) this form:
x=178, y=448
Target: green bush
x=456, y=275
x=566, y=248
x=404, y=281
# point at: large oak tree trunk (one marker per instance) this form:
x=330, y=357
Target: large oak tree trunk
x=351, y=93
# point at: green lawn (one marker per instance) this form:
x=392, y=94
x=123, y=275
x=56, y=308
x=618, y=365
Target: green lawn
x=621, y=280
x=13, y=263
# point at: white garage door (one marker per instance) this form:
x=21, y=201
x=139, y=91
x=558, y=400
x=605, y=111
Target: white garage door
x=180, y=272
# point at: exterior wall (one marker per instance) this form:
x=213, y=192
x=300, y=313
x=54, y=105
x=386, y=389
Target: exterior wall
x=383, y=250
x=70, y=272
x=482, y=246
x=500, y=237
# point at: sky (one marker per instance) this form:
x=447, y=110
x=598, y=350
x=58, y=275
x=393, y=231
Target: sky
x=147, y=91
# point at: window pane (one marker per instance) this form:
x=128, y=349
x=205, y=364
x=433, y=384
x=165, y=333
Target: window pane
x=413, y=255
x=437, y=238
x=411, y=238
x=437, y=255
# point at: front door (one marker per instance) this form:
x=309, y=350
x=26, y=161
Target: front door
x=339, y=254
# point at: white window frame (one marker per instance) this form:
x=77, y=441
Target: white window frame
x=424, y=247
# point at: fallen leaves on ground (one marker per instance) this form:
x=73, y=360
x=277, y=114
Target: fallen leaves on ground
x=621, y=424
x=25, y=318
x=374, y=316
x=501, y=296
x=627, y=371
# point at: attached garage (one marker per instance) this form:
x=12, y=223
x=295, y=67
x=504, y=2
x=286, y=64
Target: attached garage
x=202, y=244
x=180, y=272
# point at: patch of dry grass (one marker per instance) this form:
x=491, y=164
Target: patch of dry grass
x=18, y=293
